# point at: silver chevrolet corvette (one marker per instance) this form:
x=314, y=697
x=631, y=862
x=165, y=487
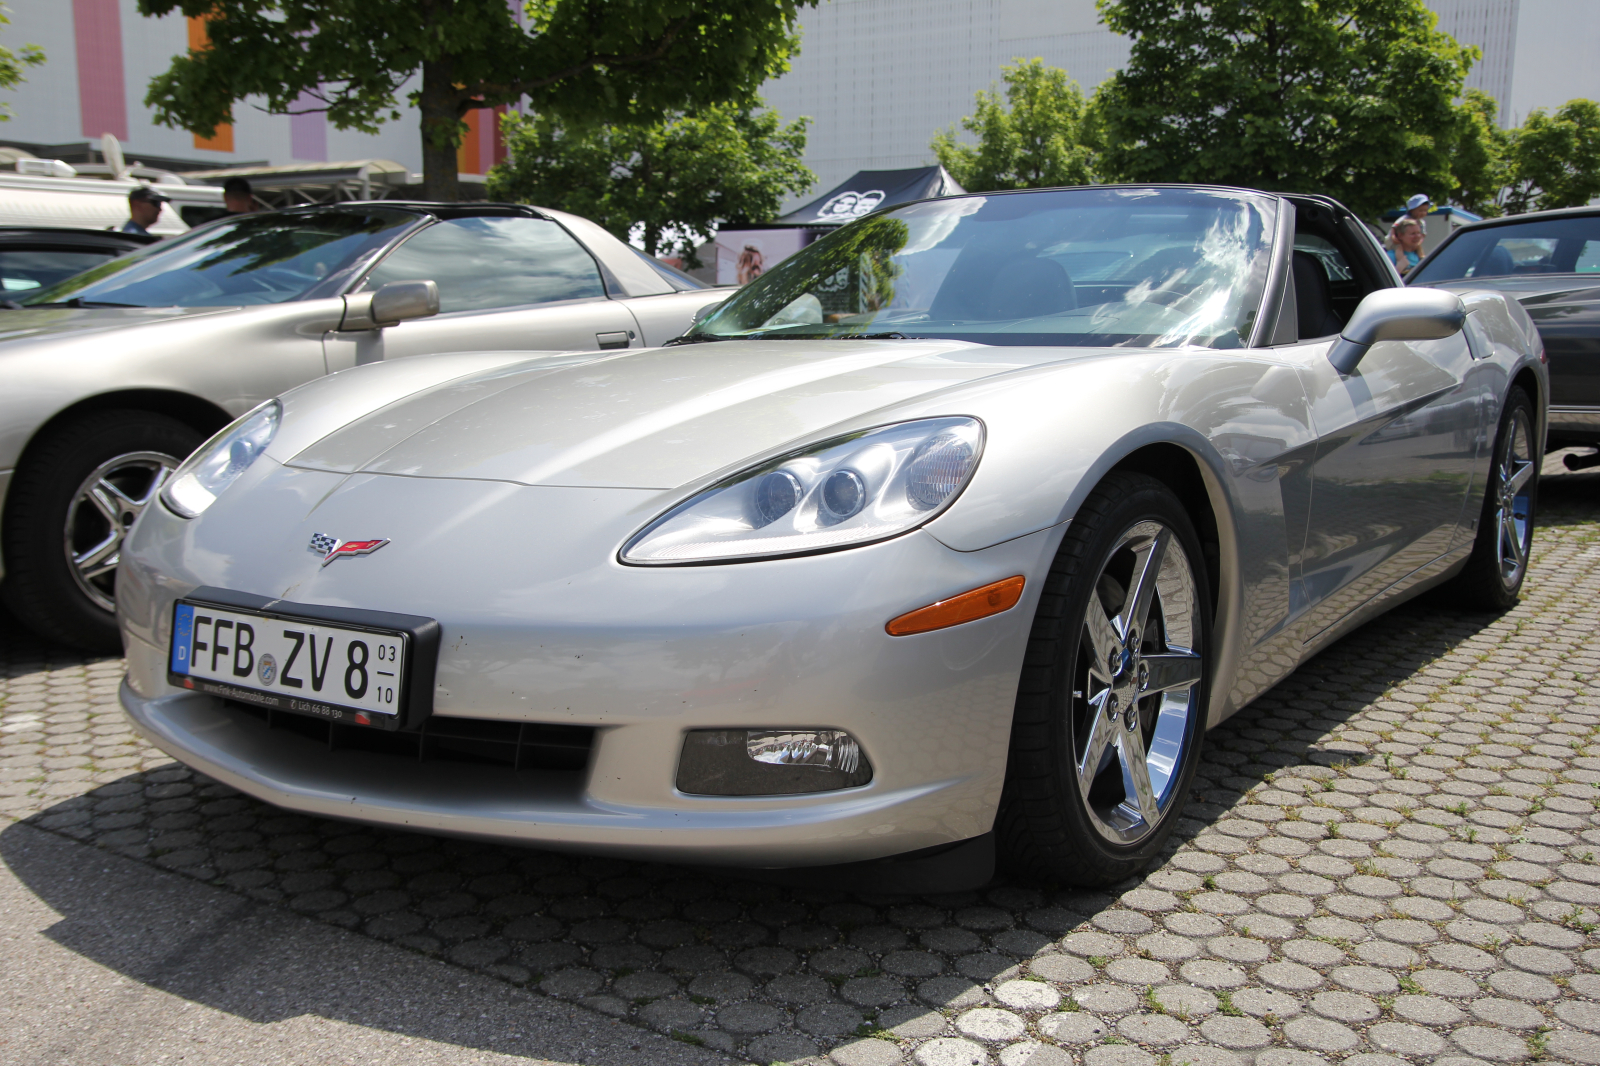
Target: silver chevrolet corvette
x=950, y=535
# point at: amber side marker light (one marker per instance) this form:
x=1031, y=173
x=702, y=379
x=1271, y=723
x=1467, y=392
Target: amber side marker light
x=967, y=607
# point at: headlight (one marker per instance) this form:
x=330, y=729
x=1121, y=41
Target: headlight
x=215, y=465
x=843, y=492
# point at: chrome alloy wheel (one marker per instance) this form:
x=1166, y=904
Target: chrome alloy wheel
x=1138, y=683
x=102, y=511
x=1513, y=505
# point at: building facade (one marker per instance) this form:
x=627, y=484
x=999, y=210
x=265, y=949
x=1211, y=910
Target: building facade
x=880, y=77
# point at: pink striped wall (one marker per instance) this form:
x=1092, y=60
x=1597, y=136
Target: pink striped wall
x=102, y=95
x=308, y=131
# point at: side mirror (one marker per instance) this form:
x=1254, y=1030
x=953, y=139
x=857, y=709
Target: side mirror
x=706, y=312
x=390, y=304
x=1396, y=315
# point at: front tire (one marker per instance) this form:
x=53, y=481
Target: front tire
x=1493, y=577
x=72, y=503
x=1111, y=709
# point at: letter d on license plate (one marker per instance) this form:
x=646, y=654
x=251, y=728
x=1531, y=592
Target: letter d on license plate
x=327, y=667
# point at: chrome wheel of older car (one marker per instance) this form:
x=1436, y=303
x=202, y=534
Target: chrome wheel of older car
x=1494, y=573
x=102, y=511
x=1110, y=712
x=76, y=493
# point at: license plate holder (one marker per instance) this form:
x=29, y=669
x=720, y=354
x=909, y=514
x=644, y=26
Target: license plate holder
x=384, y=635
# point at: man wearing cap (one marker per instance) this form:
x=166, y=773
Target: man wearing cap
x=144, y=204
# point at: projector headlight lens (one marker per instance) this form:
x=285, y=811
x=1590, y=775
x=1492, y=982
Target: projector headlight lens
x=217, y=463
x=842, y=492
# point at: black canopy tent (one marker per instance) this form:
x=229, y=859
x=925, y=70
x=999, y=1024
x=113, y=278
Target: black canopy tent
x=746, y=252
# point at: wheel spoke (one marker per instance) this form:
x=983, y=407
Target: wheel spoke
x=1172, y=670
x=1101, y=731
x=1102, y=636
x=1512, y=537
x=105, y=504
x=1136, y=774
x=1142, y=591
x=88, y=560
x=1524, y=474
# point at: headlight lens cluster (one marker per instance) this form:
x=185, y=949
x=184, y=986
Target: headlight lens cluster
x=846, y=491
x=217, y=463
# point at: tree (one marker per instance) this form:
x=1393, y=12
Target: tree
x=1352, y=98
x=1479, y=167
x=12, y=64
x=1554, y=159
x=1038, y=141
x=595, y=60
x=678, y=177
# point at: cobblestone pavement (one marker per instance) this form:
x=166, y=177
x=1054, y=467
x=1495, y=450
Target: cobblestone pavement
x=1391, y=857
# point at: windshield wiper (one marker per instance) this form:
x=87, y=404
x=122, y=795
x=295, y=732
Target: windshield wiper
x=891, y=336
x=695, y=338
x=78, y=301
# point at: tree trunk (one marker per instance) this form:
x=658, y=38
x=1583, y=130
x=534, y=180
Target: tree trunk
x=441, y=133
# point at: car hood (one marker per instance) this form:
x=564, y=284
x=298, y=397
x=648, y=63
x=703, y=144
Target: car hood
x=1531, y=290
x=37, y=323
x=657, y=418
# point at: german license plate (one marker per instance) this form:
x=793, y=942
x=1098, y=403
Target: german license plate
x=347, y=674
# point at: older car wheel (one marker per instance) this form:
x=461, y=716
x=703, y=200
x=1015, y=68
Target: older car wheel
x=74, y=500
x=1110, y=712
x=1495, y=571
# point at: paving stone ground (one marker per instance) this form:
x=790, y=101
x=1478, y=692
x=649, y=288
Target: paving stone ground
x=1389, y=858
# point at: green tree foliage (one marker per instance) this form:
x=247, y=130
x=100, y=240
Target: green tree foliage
x=1553, y=160
x=12, y=64
x=1478, y=168
x=1036, y=137
x=586, y=60
x=678, y=177
x=1352, y=98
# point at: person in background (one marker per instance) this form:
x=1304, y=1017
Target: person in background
x=144, y=207
x=1417, y=208
x=238, y=197
x=1406, y=239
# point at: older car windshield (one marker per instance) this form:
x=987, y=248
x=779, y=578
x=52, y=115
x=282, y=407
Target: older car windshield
x=1539, y=246
x=1107, y=266
x=254, y=259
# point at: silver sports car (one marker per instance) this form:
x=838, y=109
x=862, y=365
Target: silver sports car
x=955, y=530
x=112, y=376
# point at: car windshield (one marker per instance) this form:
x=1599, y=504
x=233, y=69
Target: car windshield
x=253, y=259
x=1107, y=266
x=1539, y=246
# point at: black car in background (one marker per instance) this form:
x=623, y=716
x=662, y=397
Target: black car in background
x=36, y=257
x=1550, y=262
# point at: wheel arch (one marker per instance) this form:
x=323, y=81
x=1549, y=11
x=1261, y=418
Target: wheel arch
x=199, y=414
x=1185, y=462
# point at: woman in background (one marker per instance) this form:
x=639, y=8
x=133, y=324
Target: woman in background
x=1406, y=250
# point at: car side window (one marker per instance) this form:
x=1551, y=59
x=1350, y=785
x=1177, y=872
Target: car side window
x=26, y=269
x=489, y=262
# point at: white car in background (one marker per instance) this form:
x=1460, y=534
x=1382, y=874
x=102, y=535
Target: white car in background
x=112, y=376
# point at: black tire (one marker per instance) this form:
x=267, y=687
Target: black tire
x=1048, y=826
x=1498, y=565
x=132, y=451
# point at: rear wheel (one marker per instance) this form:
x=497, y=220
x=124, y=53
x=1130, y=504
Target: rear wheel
x=71, y=506
x=1498, y=565
x=1110, y=712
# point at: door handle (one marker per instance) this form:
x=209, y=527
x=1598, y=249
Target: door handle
x=620, y=339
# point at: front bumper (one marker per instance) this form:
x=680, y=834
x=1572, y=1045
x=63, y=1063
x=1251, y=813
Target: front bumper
x=565, y=636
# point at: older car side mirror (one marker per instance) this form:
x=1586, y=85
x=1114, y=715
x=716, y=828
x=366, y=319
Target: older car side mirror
x=390, y=305
x=1396, y=315
x=706, y=312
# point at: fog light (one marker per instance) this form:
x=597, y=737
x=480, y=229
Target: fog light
x=770, y=762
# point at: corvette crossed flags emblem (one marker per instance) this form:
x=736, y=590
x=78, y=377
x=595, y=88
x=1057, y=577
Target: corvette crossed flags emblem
x=331, y=548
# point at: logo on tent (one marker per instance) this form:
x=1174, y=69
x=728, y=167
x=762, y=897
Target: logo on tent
x=848, y=205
